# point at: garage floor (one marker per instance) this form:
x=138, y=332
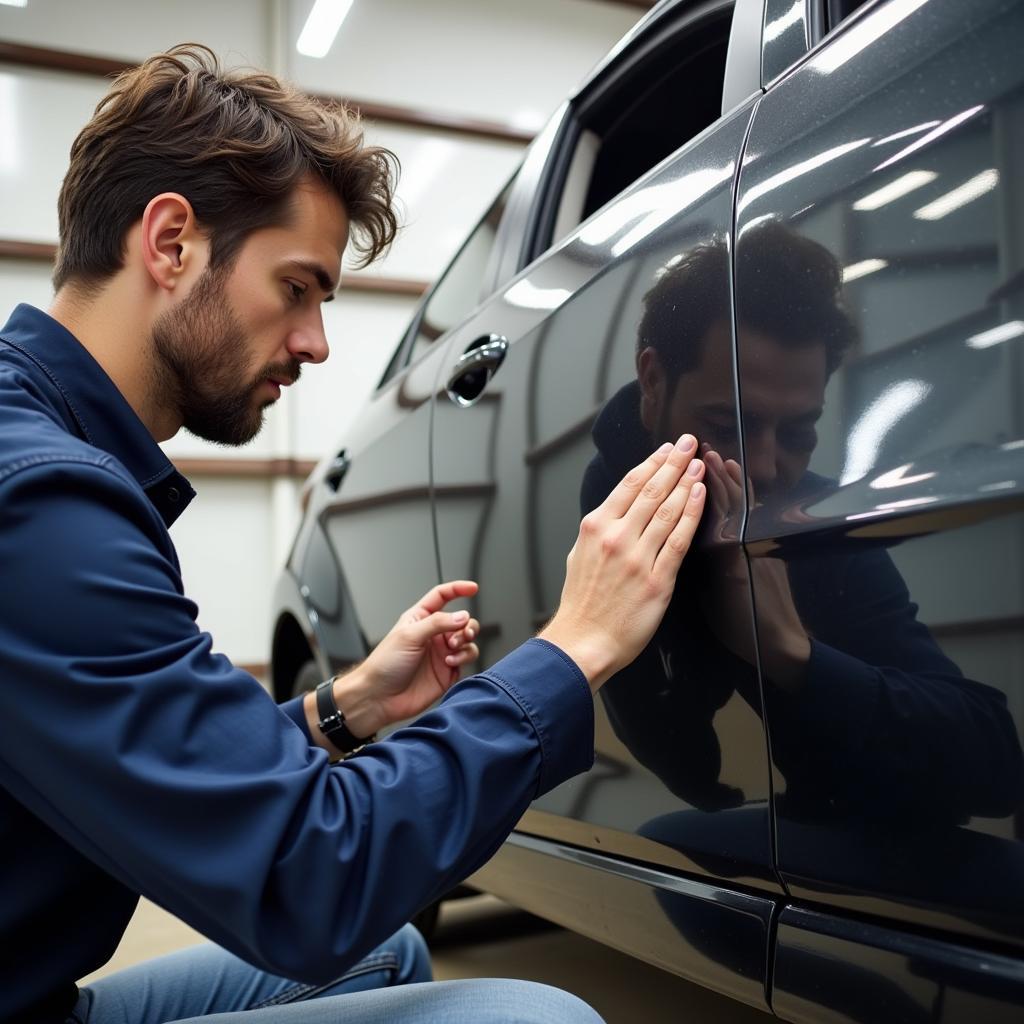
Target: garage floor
x=482, y=937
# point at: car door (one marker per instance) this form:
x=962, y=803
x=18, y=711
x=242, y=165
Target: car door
x=547, y=409
x=880, y=313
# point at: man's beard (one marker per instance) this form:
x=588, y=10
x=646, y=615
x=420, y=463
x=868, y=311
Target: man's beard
x=201, y=364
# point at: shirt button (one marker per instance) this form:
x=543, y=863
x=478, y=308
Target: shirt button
x=173, y=494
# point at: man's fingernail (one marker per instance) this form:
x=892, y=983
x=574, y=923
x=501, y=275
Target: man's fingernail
x=462, y=616
x=686, y=442
x=666, y=447
x=695, y=467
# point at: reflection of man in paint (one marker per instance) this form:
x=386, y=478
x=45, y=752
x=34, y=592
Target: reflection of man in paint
x=870, y=720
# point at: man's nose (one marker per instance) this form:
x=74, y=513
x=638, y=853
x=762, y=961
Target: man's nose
x=308, y=343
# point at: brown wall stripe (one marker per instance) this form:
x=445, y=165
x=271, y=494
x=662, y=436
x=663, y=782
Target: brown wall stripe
x=11, y=248
x=250, y=468
x=107, y=67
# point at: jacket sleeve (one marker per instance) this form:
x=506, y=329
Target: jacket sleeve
x=176, y=773
x=886, y=722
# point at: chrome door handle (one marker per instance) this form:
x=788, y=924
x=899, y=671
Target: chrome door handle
x=475, y=367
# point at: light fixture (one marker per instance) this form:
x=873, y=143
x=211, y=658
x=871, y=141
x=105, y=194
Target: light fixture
x=895, y=190
x=15, y=3
x=322, y=26
x=862, y=269
x=996, y=336
x=963, y=194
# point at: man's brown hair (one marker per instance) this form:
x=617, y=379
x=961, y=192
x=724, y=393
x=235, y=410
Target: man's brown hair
x=234, y=144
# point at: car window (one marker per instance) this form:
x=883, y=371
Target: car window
x=669, y=93
x=456, y=293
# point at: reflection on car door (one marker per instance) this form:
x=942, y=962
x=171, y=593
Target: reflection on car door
x=884, y=446
x=681, y=778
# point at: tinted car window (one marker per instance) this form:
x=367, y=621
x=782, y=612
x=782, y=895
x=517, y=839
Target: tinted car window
x=668, y=94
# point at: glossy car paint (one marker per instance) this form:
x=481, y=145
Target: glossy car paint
x=886, y=833
x=898, y=548
x=865, y=973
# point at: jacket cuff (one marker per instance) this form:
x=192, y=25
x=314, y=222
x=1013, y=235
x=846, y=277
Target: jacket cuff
x=555, y=696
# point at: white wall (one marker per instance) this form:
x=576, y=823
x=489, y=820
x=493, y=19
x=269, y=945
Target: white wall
x=487, y=60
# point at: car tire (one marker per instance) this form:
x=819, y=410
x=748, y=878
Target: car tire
x=307, y=678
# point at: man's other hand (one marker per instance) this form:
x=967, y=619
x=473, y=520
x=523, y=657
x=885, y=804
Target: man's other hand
x=421, y=658
x=622, y=569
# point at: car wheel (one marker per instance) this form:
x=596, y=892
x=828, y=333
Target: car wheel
x=307, y=678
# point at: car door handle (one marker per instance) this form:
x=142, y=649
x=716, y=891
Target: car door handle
x=337, y=469
x=475, y=367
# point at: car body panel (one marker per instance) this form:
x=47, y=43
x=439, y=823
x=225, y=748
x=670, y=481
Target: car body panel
x=708, y=934
x=898, y=756
x=526, y=451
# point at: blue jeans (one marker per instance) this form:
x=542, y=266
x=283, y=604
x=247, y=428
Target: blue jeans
x=207, y=985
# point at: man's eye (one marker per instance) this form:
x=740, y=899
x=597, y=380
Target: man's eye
x=296, y=290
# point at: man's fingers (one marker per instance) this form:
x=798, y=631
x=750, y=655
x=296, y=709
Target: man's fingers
x=660, y=486
x=437, y=597
x=458, y=658
x=464, y=636
x=679, y=540
x=436, y=624
x=624, y=493
x=666, y=517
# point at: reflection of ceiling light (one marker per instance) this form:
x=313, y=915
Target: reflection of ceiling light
x=322, y=26
x=794, y=172
x=794, y=16
x=1004, y=332
x=870, y=430
x=966, y=193
x=14, y=3
x=916, y=130
x=1002, y=485
x=862, y=269
x=862, y=34
x=528, y=296
x=897, y=478
x=945, y=126
x=895, y=190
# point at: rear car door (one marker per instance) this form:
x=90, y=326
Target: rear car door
x=880, y=310
x=661, y=848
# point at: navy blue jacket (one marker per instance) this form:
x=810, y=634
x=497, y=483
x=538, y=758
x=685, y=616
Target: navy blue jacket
x=136, y=760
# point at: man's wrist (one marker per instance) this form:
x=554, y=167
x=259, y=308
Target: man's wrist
x=592, y=657
x=353, y=698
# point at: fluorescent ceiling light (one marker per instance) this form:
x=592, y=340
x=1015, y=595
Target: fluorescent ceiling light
x=14, y=3
x=996, y=336
x=966, y=193
x=895, y=190
x=322, y=26
x=862, y=269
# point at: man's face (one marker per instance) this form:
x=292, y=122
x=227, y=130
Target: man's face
x=242, y=333
x=783, y=396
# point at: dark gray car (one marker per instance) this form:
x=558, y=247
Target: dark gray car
x=796, y=229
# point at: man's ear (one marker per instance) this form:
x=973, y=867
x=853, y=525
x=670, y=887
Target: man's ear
x=173, y=248
x=650, y=375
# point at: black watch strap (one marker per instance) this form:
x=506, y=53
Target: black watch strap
x=332, y=720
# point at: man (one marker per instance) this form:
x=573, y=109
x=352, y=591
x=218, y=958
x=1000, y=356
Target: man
x=876, y=725
x=203, y=220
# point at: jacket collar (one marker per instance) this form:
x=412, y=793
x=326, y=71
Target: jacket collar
x=95, y=410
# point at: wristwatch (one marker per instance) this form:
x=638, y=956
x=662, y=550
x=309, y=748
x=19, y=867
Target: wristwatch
x=332, y=720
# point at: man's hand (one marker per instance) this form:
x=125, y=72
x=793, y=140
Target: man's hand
x=785, y=647
x=414, y=665
x=621, y=572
